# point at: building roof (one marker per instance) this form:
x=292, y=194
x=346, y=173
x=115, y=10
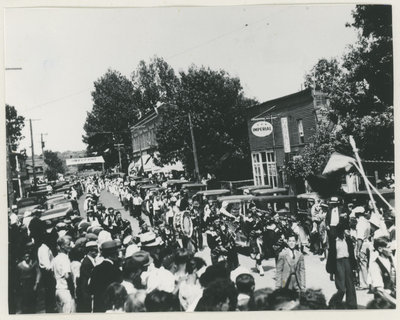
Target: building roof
x=267, y=108
x=277, y=102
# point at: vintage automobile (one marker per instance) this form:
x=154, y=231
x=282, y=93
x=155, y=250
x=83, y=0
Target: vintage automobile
x=56, y=215
x=144, y=187
x=269, y=191
x=193, y=188
x=249, y=189
x=60, y=202
x=210, y=195
x=361, y=198
x=27, y=204
x=175, y=184
x=60, y=209
x=305, y=201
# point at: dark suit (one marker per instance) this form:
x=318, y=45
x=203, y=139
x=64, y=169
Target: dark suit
x=344, y=280
x=84, y=301
x=102, y=276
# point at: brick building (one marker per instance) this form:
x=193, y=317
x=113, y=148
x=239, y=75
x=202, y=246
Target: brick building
x=144, y=143
x=281, y=128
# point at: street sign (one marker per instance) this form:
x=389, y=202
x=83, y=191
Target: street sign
x=76, y=161
x=261, y=129
x=285, y=134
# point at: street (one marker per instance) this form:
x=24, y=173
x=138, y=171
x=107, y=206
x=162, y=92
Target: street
x=316, y=276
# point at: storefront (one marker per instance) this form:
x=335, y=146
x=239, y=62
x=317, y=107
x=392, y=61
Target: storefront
x=278, y=130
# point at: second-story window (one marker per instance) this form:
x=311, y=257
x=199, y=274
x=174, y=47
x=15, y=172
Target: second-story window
x=300, y=130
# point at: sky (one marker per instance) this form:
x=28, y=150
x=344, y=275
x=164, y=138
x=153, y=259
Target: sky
x=62, y=51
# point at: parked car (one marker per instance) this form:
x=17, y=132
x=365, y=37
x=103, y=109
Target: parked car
x=27, y=204
x=305, y=201
x=269, y=192
x=176, y=184
x=361, y=198
x=250, y=188
x=193, y=188
x=211, y=195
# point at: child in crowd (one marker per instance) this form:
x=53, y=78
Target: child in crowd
x=245, y=285
x=290, y=269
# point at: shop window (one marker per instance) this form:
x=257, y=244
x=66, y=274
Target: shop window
x=264, y=168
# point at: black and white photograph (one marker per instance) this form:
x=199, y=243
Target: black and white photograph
x=199, y=158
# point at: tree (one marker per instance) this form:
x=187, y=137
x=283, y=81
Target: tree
x=14, y=125
x=54, y=165
x=217, y=107
x=154, y=83
x=360, y=90
x=112, y=114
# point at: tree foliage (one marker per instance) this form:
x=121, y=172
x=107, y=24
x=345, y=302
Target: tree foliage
x=113, y=112
x=14, y=125
x=154, y=83
x=54, y=165
x=360, y=90
x=217, y=107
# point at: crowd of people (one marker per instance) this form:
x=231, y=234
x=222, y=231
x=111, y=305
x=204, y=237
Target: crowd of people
x=98, y=263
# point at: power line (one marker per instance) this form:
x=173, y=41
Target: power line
x=56, y=100
x=224, y=35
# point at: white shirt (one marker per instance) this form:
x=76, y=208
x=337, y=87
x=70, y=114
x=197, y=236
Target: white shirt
x=342, y=250
x=128, y=287
x=363, y=228
x=160, y=279
x=45, y=257
x=376, y=274
x=62, y=266
x=137, y=201
x=334, y=217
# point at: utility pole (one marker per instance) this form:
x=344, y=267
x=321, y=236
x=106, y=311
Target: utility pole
x=42, y=142
x=33, y=155
x=196, y=163
x=119, y=145
x=10, y=187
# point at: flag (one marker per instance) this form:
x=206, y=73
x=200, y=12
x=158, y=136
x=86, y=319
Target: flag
x=337, y=162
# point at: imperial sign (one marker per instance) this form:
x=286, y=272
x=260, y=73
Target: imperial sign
x=261, y=128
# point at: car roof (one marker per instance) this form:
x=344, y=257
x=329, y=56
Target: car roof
x=148, y=186
x=365, y=192
x=253, y=187
x=280, y=197
x=176, y=181
x=268, y=191
x=311, y=195
x=213, y=192
x=188, y=185
x=246, y=197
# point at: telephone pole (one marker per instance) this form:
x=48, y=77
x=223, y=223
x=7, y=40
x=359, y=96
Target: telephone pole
x=119, y=145
x=196, y=163
x=42, y=142
x=33, y=155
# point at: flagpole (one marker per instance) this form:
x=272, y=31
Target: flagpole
x=361, y=169
x=376, y=190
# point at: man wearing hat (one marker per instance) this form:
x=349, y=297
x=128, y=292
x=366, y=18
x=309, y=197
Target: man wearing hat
x=84, y=300
x=363, y=232
x=132, y=270
x=37, y=227
x=104, y=274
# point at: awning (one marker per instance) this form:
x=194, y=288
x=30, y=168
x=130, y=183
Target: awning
x=149, y=166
